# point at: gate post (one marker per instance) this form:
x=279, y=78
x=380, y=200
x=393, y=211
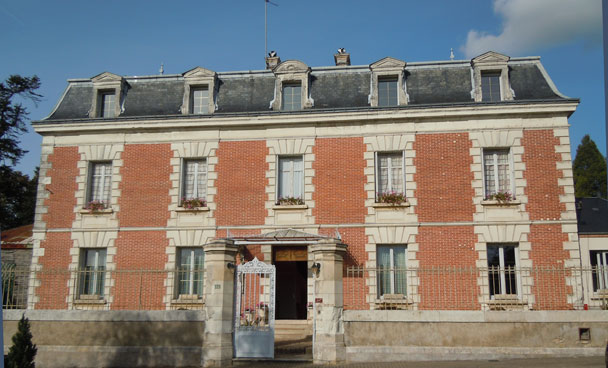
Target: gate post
x=219, y=299
x=329, y=329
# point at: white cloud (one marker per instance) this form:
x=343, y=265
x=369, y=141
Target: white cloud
x=529, y=25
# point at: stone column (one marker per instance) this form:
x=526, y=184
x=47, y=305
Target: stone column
x=219, y=300
x=329, y=331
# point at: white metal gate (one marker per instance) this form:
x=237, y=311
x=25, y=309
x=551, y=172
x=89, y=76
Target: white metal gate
x=254, y=310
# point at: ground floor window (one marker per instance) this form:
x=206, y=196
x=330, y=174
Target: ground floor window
x=599, y=264
x=92, y=272
x=391, y=270
x=502, y=269
x=190, y=271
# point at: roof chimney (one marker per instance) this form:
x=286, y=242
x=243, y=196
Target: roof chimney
x=272, y=60
x=342, y=58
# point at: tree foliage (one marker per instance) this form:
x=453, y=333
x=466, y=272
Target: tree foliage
x=589, y=170
x=23, y=351
x=17, y=198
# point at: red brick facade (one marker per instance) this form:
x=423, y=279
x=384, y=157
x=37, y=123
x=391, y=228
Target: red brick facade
x=61, y=199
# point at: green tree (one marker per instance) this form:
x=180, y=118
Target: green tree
x=17, y=191
x=23, y=351
x=589, y=170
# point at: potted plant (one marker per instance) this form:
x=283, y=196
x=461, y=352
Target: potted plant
x=392, y=197
x=290, y=201
x=500, y=197
x=95, y=206
x=192, y=203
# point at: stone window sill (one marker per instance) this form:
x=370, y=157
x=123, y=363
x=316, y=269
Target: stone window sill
x=105, y=211
x=90, y=299
x=506, y=302
x=289, y=207
x=195, y=209
x=494, y=203
x=390, y=205
x=601, y=294
x=393, y=301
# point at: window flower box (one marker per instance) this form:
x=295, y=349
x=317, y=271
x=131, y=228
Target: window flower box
x=391, y=198
x=193, y=204
x=290, y=201
x=96, y=207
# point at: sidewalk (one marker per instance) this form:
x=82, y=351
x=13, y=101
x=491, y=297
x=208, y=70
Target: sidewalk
x=583, y=362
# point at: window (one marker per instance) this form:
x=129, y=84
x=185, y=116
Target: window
x=390, y=172
x=292, y=96
x=190, y=271
x=387, y=91
x=291, y=178
x=199, y=100
x=391, y=270
x=100, y=182
x=502, y=269
x=497, y=172
x=490, y=87
x=194, y=179
x=599, y=263
x=92, y=272
x=107, y=102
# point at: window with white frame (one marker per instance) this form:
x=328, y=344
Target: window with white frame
x=599, y=264
x=291, y=180
x=390, y=178
x=190, y=272
x=199, y=100
x=107, y=101
x=490, y=86
x=391, y=262
x=194, y=180
x=92, y=272
x=498, y=175
x=503, y=264
x=100, y=183
x=292, y=96
x=387, y=91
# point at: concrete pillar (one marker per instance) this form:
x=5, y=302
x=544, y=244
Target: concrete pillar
x=329, y=330
x=219, y=300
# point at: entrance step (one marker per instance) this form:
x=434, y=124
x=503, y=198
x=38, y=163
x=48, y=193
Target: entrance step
x=292, y=330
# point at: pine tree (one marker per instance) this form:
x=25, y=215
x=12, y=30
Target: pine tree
x=589, y=170
x=23, y=351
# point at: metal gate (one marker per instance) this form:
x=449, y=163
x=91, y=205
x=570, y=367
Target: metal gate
x=254, y=310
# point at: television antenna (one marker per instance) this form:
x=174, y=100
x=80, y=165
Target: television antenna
x=266, y=2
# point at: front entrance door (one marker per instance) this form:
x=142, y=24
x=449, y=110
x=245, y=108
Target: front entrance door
x=291, y=264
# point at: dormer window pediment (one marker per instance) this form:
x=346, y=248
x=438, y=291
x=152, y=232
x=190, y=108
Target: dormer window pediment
x=491, y=78
x=388, y=87
x=292, y=80
x=199, y=91
x=108, y=96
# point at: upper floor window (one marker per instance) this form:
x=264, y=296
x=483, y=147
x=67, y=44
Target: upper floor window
x=199, y=100
x=107, y=104
x=503, y=261
x=100, y=182
x=387, y=91
x=599, y=263
x=490, y=86
x=190, y=272
x=200, y=88
x=390, y=179
x=391, y=263
x=92, y=272
x=498, y=177
x=292, y=96
x=194, y=180
x=291, y=180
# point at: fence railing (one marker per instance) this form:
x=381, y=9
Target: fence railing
x=473, y=288
x=102, y=289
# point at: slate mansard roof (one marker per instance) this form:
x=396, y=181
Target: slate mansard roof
x=443, y=83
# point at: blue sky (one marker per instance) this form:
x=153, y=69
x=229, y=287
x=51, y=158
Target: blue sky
x=58, y=40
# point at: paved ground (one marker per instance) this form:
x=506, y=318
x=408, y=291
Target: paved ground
x=586, y=362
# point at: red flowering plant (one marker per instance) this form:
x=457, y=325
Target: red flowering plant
x=290, y=201
x=500, y=197
x=95, y=206
x=191, y=203
x=392, y=197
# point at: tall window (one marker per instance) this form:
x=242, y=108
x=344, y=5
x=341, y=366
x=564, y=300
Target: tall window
x=490, y=87
x=92, y=272
x=497, y=171
x=199, y=100
x=292, y=96
x=291, y=177
x=390, y=172
x=387, y=91
x=599, y=263
x=106, y=104
x=194, y=179
x=190, y=271
x=100, y=182
x=391, y=270
x=502, y=269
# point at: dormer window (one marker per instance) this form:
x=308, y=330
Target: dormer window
x=292, y=96
x=199, y=100
x=491, y=78
x=388, y=83
x=199, y=91
x=108, y=96
x=107, y=101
